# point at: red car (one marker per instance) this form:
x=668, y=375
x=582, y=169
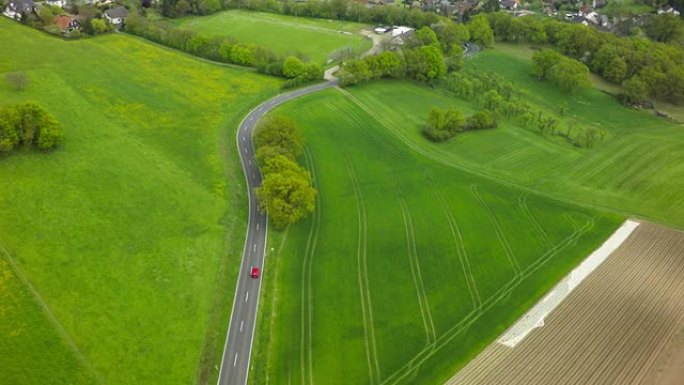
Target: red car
x=255, y=272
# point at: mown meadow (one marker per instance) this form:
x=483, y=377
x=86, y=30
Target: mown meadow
x=118, y=249
x=316, y=39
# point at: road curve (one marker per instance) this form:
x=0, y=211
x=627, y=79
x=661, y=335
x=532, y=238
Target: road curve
x=238, y=348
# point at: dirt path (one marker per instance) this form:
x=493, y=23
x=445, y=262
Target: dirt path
x=623, y=325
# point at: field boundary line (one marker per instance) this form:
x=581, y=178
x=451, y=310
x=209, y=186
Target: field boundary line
x=364, y=290
x=23, y=278
x=535, y=316
x=460, y=245
x=417, y=276
x=498, y=230
x=473, y=316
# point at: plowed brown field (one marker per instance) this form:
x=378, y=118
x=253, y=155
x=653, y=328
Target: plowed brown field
x=623, y=325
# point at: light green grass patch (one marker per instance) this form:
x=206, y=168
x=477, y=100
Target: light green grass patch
x=132, y=229
x=410, y=264
x=315, y=38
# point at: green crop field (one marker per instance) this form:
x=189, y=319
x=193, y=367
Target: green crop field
x=409, y=265
x=637, y=170
x=315, y=38
x=118, y=249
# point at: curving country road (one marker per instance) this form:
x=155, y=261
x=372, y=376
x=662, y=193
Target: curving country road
x=238, y=348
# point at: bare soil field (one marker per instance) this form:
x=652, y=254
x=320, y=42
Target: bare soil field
x=623, y=325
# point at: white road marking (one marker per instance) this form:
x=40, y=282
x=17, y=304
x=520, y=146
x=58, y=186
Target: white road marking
x=246, y=296
x=250, y=119
x=249, y=162
x=254, y=247
x=242, y=323
x=235, y=360
x=257, y=226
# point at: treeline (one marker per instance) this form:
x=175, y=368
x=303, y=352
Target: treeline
x=498, y=96
x=646, y=69
x=426, y=56
x=28, y=125
x=286, y=193
x=443, y=125
x=325, y=9
x=225, y=50
x=568, y=74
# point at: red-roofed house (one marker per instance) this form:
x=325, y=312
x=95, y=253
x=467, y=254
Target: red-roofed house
x=67, y=23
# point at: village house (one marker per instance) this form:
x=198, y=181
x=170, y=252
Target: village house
x=15, y=8
x=56, y=3
x=116, y=16
x=67, y=24
x=668, y=9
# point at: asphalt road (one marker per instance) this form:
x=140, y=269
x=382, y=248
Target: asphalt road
x=237, y=351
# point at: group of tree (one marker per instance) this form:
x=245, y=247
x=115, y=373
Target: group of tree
x=223, y=49
x=28, y=125
x=442, y=125
x=498, y=96
x=647, y=69
x=427, y=56
x=286, y=193
x=568, y=74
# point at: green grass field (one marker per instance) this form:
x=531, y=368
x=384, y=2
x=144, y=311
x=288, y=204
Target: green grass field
x=315, y=38
x=636, y=171
x=129, y=233
x=420, y=254
x=410, y=265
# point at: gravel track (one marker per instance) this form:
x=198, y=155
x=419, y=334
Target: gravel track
x=613, y=329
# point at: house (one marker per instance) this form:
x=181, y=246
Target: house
x=668, y=9
x=67, y=24
x=400, y=35
x=508, y=4
x=16, y=8
x=116, y=15
x=56, y=3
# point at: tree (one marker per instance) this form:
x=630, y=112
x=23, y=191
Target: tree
x=455, y=59
x=354, y=72
x=207, y=7
x=9, y=137
x=665, y=27
x=543, y=61
x=570, y=75
x=182, y=8
x=426, y=36
x=451, y=34
x=616, y=70
x=293, y=67
x=99, y=26
x=481, y=120
x=286, y=196
x=635, y=91
x=242, y=55
x=18, y=80
x=480, y=31
x=279, y=132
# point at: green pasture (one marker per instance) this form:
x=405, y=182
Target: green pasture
x=123, y=242
x=410, y=265
x=314, y=38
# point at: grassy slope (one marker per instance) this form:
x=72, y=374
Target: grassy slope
x=129, y=231
x=408, y=270
x=634, y=171
x=283, y=34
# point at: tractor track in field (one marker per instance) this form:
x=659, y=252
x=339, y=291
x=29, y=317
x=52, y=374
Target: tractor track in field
x=459, y=244
x=627, y=313
x=490, y=302
x=417, y=276
x=522, y=203
x=362, y=267
x=306, y=348
x=498, y=230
